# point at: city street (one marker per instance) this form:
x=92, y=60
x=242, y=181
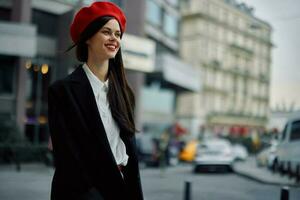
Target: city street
x=207, y=186
x=192, y=82
x=33, y=183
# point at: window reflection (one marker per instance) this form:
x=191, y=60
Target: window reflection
x=118, y=2
x=170, y=25
x=6, y=72
x=39, y=75
x=154, y=13
x=174, y=3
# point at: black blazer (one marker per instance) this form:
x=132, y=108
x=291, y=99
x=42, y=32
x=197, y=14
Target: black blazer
x=85, y=167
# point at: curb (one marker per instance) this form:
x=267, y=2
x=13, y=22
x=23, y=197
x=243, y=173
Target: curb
x=260, y=180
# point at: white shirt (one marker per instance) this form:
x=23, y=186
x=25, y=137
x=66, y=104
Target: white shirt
x=111, y=128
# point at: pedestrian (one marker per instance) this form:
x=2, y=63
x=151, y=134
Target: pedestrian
x=91, y=114
x=163, y=151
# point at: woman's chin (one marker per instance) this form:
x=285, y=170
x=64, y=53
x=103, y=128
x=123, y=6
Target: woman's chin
x=110, y=56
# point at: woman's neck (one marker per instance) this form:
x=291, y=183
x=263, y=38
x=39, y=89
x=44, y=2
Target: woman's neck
x=99, y=68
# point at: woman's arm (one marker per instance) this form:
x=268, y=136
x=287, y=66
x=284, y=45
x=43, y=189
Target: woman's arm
x=64, y=143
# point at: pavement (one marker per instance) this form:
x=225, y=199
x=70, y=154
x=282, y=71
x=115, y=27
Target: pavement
x=249, y=169
x=33, y=182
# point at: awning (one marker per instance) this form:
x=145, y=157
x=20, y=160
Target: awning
x=177, y=72
x=139, y=53
x=18, y=39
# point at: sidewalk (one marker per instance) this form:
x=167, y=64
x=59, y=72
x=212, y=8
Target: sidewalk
x=250, y=170
x=33, y=182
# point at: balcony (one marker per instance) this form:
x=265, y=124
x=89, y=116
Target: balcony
x=241, y=50
x=240, y=118
x=178, y=73
x=214, y=89
x=263, y=78
x=139, y=53
x=18, y=39
x=260, y=98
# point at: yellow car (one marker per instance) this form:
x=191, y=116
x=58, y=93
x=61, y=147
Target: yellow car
x=189, y=151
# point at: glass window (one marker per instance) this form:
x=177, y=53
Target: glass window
x=5, y=14
x=295, y=132
x=230, y=37
x=213, y=10
x=118, y=2
x=170, y=25
x=224, y=15
x=174, y=3
x=153, y=13
x=87, y=2
x=6, y=75
x=73, y=2
x=45, y=22
x=283, y=134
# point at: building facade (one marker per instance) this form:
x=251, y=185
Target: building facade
x=35, y=33
x=159, y=20
x=232, y=48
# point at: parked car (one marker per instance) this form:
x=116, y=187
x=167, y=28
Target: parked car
x=147, y=150
x=214, y=155
x=240, y=152
x=173, y=153
x=265, y=158
x=188, y=153
x=287, y=158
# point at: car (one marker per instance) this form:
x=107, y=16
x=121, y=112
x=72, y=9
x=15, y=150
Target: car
x=147, y=150
x=188, y=153
x=266, y=156
x=287, y=158
x=240, y=152
x=150, y=153
x=214, y=155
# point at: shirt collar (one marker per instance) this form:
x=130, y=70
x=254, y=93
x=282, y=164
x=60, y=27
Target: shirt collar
x=94, y=80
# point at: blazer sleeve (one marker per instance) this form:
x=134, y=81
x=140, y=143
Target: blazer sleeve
x=132, y=174
x=67, y=144
x=62, y=140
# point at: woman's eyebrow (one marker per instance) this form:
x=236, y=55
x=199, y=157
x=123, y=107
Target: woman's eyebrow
x=110, y=29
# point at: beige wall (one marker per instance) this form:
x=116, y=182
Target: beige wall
x=233, y=57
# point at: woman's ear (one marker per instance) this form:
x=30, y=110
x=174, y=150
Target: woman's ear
x=87, y=42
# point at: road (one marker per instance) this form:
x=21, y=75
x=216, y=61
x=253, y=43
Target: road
x=211, y=186
x=33, y=183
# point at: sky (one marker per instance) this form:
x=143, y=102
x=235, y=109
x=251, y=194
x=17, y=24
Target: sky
x=284, y=17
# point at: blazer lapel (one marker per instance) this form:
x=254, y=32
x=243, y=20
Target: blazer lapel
x=84, y=95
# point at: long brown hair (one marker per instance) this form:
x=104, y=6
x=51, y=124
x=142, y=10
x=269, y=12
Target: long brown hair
x=120, y=96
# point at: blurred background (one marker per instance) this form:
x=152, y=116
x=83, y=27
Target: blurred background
x=216, y=85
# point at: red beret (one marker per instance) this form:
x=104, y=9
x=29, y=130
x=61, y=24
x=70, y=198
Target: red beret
x=88, y=14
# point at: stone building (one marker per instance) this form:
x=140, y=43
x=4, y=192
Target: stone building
x=232, y=48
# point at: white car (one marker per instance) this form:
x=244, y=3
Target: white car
x=288, y=149
x=240, y=152
x=267, y=156
x=214, y=155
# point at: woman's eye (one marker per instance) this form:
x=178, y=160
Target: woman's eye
x=118, y=35
x=105, y=32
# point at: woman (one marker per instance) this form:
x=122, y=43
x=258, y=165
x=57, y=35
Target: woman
x=91, y=115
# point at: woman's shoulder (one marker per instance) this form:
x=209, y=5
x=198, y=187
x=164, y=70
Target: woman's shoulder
x=60, y=84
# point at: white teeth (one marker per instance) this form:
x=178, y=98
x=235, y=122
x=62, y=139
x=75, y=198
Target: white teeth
x=111, y=46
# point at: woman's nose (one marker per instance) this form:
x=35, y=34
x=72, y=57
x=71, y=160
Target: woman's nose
x=113, y=37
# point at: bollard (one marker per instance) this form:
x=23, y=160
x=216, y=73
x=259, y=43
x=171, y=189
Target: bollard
x=187, y=190
x=284, y=193
x=289, y=170
x=298, y=174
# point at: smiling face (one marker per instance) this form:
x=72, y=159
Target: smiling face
x=105, y=43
